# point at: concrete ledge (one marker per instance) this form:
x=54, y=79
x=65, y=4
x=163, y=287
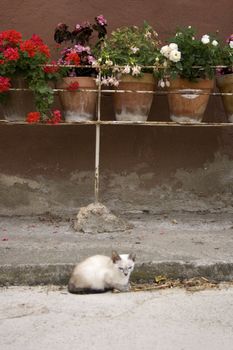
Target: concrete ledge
x=58, y=274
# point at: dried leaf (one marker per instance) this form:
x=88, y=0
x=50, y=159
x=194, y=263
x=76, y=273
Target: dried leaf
x=160, y=279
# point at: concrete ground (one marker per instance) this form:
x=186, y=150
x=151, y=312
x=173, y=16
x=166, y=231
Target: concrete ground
x=44, y=249
x=43, y=318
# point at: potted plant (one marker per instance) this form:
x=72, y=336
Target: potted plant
x=80, y=73
x=23, y=65
x=189, y=64
x=124, y=56
x=224, y=77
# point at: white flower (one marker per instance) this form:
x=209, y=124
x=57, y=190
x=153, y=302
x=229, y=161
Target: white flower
x=126, y=69
x=136, y=70
x=148, y=35
x=173, y=46
x=109, y=62
x=231, y=44
x=116, y=82
x=214, y=43
x=205, y=39
x=95, y=64
x=104, y=81
x=165, y=51
x=167, y=83
x=97, y=81
x=157, y=59
x=116, y=69
x=189, y=27
x=110, y=81
x=161, y=83
x=175, y=56
x=134, y=49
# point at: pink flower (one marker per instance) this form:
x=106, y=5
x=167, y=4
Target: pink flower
x=101, y=20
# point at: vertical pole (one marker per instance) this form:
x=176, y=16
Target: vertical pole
x=97, y=141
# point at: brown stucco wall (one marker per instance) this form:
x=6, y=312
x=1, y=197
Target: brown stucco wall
x=51, y=168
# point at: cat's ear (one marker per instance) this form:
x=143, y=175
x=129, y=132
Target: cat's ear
x=132, y=256
x=115, y=256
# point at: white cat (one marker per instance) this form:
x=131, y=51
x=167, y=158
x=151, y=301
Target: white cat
x=100, y=273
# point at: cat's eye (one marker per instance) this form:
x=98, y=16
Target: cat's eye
x=130, y=267
x=120, y=268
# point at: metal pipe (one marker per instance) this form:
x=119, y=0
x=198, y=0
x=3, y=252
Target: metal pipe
x=97, y=142
x=156, y=92
x=114, y=122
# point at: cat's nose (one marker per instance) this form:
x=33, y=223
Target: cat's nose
x=125, y=273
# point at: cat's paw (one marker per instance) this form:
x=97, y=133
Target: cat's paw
x=124, y=288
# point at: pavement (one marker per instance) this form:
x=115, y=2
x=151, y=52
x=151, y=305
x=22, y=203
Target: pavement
x=44, y=249
x=42, y=317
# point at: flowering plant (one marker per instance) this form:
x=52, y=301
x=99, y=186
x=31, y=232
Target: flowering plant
x=131, y=48
x=27, y=59
x=227, y=57
x=189, y=57
x=80, y=52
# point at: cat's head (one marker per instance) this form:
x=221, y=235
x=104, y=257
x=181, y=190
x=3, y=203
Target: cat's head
x=124, y=262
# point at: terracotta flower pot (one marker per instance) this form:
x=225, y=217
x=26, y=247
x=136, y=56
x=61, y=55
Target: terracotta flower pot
x=19, y=103
x=188, y=108
x=225, y=84
x=78, y=106
x=134, y=106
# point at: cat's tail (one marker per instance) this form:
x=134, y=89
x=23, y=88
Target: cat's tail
x=73, y=289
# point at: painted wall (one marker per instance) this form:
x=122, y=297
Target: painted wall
x=46, y=168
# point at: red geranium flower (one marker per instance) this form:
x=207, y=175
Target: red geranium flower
x=4, y=84
x=52, y=68
x=37, y=39
x=33, y=117
x=29, y=47
x=11, y=54
x=2, y=61
x=44, y=49
x=72, y=57
x=73, y=86
x=11, y=36
x=35, y=45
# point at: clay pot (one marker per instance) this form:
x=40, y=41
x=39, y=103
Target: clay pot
x=188, y=108
x=225, y=84
x=19, y=103
x=78, y=106
x=134, y=106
